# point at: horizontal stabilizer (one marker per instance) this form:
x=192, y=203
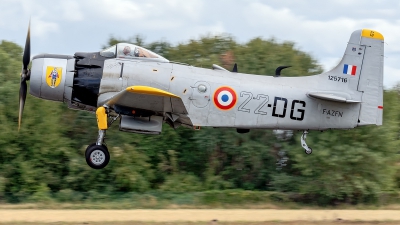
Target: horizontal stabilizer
x=333, y=96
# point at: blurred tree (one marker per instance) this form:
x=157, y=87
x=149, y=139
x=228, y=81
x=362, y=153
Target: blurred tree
x=46, y=156
x=346, y=166
x=137, y=40
x=203, y=52
x=187, y=182
x=262, y=57
x=37, y=155
x=242, y=160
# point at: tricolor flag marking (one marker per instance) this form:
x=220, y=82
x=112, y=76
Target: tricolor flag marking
x=349, y=69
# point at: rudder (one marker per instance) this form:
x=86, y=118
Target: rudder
x=371, y=78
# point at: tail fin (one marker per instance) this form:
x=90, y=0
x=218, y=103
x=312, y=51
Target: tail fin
x=362, y=64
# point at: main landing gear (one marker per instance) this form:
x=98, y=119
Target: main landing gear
x=96, y=154
x=307, y=150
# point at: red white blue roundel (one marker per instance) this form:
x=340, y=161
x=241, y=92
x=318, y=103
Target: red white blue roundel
x=225, y=98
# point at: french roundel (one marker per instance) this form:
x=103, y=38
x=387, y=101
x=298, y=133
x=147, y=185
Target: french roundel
x=225, y=98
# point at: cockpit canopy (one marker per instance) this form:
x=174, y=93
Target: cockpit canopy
x=131, y=51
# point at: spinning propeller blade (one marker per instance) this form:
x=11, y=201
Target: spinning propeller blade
x=25, y=75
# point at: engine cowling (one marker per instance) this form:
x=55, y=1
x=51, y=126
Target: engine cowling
x=52, y=76
x=72, y=79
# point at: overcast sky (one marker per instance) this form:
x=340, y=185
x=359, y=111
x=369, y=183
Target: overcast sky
x=320, y=28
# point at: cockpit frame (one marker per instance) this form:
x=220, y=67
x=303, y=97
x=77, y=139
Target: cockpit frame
x=131, y=51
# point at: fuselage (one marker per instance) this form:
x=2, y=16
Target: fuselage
x=342, y=98
x=258, y=101
x=250, y=101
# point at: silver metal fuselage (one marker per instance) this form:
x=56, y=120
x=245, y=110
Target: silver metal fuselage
x=262, y=101
x=349, y=95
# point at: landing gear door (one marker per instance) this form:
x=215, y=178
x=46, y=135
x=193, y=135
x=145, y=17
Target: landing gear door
x=201, y=94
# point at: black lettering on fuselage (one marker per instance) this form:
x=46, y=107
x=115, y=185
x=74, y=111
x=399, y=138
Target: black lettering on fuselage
x=301, y=111
x=330, y=112
x=276, y=99
x=297, y=110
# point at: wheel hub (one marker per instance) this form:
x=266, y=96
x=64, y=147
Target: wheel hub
x=97, y=157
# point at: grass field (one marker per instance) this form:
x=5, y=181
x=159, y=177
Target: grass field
x=193, y=217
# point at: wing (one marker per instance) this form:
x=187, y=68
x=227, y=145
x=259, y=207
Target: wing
x=146, y=98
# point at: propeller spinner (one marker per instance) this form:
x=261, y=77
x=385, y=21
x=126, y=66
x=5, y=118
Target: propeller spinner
x=25, y=75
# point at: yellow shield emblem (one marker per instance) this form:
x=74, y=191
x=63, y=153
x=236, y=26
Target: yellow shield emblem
x=53, y=76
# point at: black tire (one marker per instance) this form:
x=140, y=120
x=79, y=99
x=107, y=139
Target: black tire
x=91, y=145
x=86, y=151
x=310, y=151
x=97, y=156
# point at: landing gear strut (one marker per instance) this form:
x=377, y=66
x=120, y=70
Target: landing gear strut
x=96, y=154
x=307, y=150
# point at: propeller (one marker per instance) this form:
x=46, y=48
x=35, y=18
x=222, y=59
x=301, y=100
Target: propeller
x=25, y=75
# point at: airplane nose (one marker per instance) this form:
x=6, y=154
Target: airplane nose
x=52, y=76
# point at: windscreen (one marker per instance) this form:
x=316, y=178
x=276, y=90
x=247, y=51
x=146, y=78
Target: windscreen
x=109, y=52
x=130, y=50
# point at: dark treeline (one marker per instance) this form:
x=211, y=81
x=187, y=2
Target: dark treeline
x=46, y=157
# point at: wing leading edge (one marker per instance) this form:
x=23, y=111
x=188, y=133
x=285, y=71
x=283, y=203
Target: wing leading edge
x=146, y=98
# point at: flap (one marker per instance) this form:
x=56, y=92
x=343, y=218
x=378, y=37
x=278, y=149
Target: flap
x=333, y=96
x=144, y=97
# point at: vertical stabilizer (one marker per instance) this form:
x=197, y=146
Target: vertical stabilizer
x=362, y=67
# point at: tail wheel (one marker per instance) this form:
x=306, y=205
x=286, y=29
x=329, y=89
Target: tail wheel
x=308, y=151
x=97, y=156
